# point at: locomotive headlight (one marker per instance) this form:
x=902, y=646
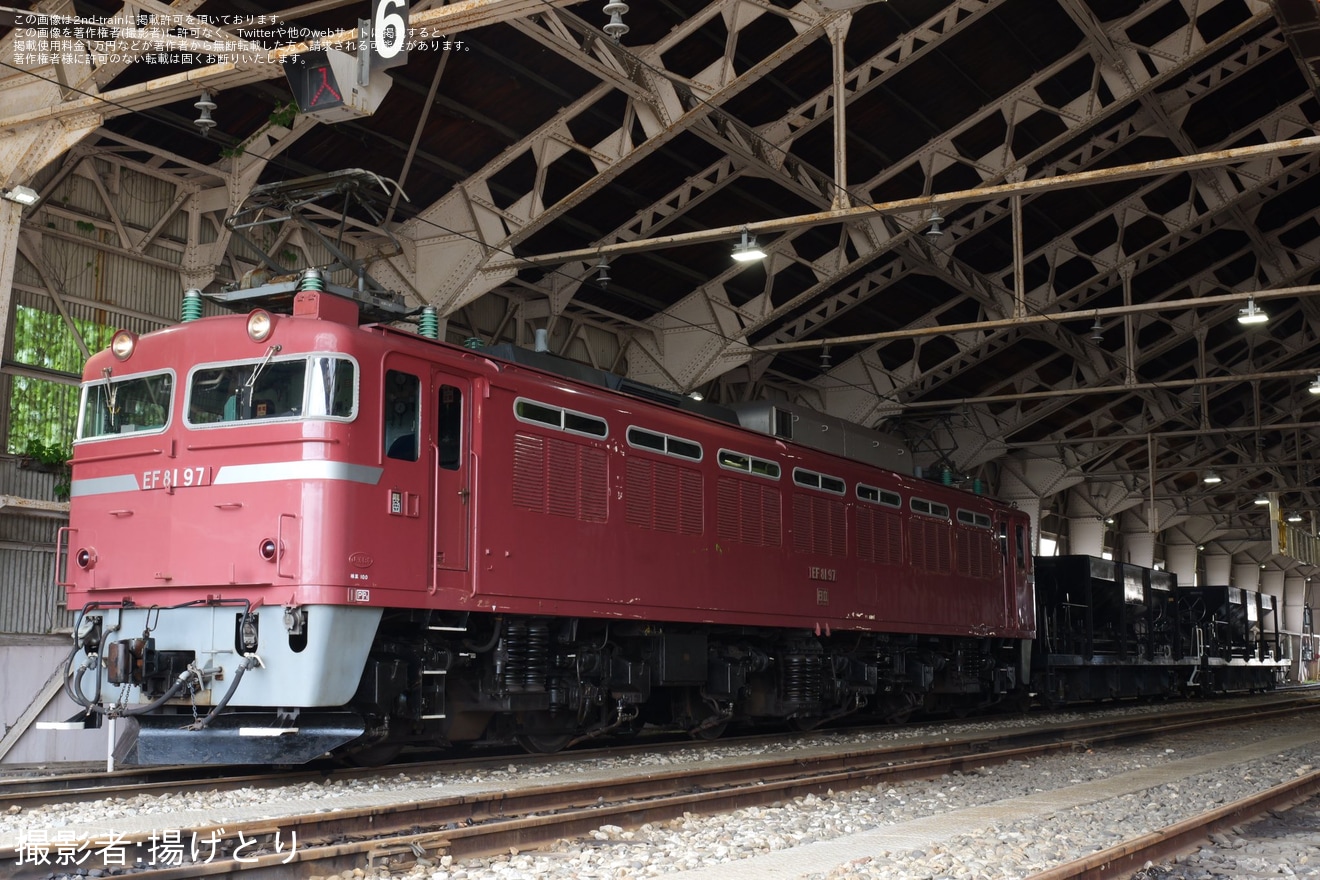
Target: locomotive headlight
x=268, y=549
x=123, y=343
x=259, y=324
x=85, y=557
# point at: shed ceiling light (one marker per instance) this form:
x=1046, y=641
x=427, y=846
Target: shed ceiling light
x=1262, y=500
x=1251, y=314
x=1294, y=517
x=1315, y=386
x=746, y=250
x=23, y=195
x=1211, y=477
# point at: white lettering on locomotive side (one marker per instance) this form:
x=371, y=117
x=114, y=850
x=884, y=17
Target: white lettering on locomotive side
x=817, y=573
x=176, y=478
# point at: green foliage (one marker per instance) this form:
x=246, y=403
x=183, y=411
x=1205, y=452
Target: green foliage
x=43, y=413
x=284, y=115
x=84, y=226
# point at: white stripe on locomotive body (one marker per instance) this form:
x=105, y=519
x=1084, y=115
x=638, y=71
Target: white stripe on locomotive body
x=269, y=472
x=280, y=471
x=104, y=485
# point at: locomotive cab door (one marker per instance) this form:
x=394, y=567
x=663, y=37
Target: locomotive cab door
x=452, y=466
x=426, y=435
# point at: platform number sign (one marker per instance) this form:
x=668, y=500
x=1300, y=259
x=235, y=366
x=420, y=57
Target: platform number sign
x=389, y=33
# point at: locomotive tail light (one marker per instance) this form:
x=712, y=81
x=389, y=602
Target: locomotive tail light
x=86, y=558
x=268, y=549
x=260, y=323
x=123, y=343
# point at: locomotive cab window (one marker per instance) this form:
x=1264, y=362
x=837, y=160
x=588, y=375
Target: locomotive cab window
x=321, y=387
x=401, y=415
x=126, y=406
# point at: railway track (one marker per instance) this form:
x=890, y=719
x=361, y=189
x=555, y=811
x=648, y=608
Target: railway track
x=469, y=823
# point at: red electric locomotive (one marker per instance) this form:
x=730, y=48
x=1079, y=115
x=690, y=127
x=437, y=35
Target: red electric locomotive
x=291, y=535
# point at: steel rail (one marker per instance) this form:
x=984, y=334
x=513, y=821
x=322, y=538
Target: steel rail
x=1123, y=859
x=490, y=822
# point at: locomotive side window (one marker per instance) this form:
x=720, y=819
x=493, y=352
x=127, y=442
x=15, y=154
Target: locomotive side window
x=451, y=427
x=401, y=415
x=332, y=387
x=879, y=496
x=563, y=419
x=643, y=439
x=972, y=518
x=814, y=480
x=930, y=508
x=750, y=464
x=126, y=406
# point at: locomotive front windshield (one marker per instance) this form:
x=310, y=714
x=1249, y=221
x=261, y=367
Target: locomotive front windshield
x=317, y=387
x=126, y=406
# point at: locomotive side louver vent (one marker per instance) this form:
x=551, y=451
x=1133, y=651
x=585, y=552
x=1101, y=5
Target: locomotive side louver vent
x=560, y=477
x=975, y=554
x=929, y=543
x=818, y=526
x=879, y=536
x=748, y=513
x=664, y=497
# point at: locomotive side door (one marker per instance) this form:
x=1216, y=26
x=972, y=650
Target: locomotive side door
x=407, y=414
x=452, y=464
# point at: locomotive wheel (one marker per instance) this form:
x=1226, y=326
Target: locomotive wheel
x=709, y=733
x=544, y=743
x=373, y=756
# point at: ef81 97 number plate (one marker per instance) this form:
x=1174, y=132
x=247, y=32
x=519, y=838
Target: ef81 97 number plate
x=176, y=478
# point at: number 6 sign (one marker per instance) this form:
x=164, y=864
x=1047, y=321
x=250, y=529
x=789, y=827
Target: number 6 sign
x=389, y=33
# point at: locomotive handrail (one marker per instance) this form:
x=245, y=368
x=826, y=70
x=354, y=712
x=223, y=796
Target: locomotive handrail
x=196, y=447
x=111, y=456
x=62, y=557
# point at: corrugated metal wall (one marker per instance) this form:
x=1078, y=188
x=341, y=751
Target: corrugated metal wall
x=29, y=600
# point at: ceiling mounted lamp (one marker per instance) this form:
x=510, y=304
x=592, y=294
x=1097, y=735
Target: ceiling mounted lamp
x=746, y=250
x=1261, y=500
x=1295, y=516
x=1251, y=314
x=23, y=195
x=1211, y=478
x=935, y=220
x=1315, y=386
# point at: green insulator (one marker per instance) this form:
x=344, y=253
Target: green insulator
x=946, y=476
x=192, y=304
x=429, y=325
x=977, y=486
x=311, y=280
x=473, y=342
